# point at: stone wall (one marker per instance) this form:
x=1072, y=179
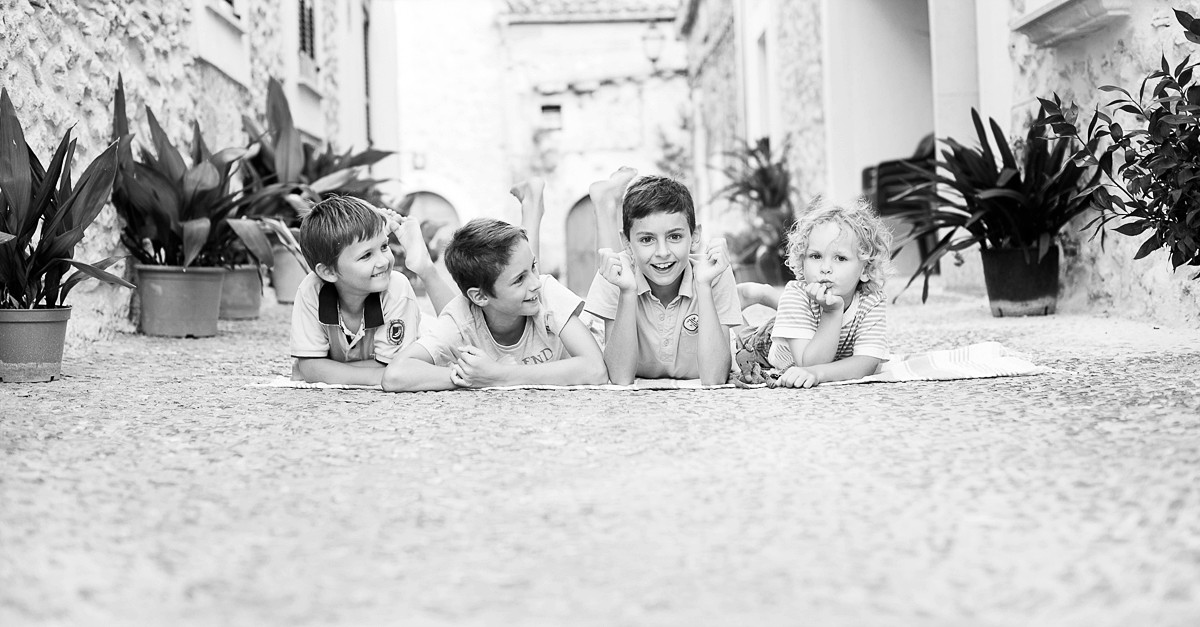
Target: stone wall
x=1096, y=277
x=60, y=64
x=802, y=94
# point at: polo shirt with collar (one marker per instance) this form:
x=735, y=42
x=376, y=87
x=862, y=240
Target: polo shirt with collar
x=668, y=333
x=390, y=322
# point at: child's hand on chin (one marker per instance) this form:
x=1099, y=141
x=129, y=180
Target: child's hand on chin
x=822, y=292
x=709, y=265
x=797, y=377
x=617, y=268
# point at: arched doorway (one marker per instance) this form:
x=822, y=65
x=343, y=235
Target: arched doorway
x=581, y=246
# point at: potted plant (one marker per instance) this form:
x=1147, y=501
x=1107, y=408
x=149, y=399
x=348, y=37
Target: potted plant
x=1153, y=161
x=1012, y=209
x=761, y=183
x=43, y=216
x=178, y=223
x=284, y=176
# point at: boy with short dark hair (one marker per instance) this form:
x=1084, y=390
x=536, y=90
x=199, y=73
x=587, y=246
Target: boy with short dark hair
x=667, y=301
x=509, y=326
x=353, y=313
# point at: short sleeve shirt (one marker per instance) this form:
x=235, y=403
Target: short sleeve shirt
x=864, y=325
x=462, y=323
x=390, y=321
x=668, y=333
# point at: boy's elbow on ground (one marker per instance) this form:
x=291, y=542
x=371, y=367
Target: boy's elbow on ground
x=392, y=380
x=596, y=374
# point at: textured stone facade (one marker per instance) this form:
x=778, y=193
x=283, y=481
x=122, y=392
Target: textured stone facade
x=803, y=110
x=60, y=61
x=476, y=79
x=1107, y=277
x=715, y=78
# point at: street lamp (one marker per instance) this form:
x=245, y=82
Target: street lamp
x=652, y=44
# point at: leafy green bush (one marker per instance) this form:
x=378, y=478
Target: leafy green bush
x=974, y=199
x=175, y=214
x=43, y=202
x=1153, y=164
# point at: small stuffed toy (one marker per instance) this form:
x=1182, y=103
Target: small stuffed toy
x=750, y=369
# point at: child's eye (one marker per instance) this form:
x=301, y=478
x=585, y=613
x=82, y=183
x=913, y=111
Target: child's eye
x=842, y=258
x=645, y=240
x=814, y=255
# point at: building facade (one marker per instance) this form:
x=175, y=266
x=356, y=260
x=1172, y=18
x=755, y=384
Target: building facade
x=203, y=60
x=859, y=82
x=492, y=92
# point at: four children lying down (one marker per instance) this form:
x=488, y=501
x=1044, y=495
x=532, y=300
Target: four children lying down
x=667, y=300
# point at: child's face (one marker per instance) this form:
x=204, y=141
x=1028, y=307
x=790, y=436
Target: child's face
x=660, y=243
x=365, y=266
x=832, y=258
x=518, y=286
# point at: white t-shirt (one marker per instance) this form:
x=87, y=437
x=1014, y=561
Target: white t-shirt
x=462, y=323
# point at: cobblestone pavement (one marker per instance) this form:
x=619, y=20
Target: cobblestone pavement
x=152, y=486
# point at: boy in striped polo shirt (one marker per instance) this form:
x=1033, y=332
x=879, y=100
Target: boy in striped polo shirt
x=831, y=323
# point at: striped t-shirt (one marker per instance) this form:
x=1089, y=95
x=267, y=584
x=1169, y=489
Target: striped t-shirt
x=864, y=325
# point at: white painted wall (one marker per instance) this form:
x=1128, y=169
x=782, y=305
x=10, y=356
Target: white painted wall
x=995, y=73
x=878, y=85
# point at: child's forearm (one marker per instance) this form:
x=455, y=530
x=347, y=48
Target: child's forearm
x=621, y=342
x=853, y=367
x=570, y=371
x=414, y=375
x=822, y=348
x=324, y=370
x=713, y=337
x=438, y=286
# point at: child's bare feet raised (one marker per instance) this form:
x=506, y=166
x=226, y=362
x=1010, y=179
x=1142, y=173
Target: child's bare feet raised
x=533, y=206
x=606, y=197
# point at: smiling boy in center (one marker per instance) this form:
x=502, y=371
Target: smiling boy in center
x=667, y=300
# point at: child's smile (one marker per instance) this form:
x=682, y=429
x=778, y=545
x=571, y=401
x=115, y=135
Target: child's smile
x=366, y=266
x=660, y=243
x=517, y=291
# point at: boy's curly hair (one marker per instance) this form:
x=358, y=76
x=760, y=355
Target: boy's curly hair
x=335, y=223
x=656, y=194
x=478, y=252
x=874, y=238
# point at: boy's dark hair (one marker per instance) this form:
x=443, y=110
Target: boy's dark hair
x=335, y=223
x=478, y=252
x=656, y=194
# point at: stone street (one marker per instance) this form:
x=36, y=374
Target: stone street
x=154, y=485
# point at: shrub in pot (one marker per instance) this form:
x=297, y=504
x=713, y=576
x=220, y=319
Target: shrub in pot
x=1152, y=161
x=180, y=224
x=760, y=182
x=1011, y=208
x=43, y=216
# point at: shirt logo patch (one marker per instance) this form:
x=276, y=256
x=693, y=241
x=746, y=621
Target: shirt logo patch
x=395, y=333
x=691, y=324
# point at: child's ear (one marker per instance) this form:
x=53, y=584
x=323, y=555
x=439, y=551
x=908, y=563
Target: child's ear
x=697, y=236
x=476, y=295
x=326, y=273
x=625, y=241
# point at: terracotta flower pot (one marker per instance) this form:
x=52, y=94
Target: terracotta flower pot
x=179, y=302
x=1019, y=285
x=31, y=344
x=241, y=293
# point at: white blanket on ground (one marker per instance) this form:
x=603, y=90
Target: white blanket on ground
x=977, y=361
